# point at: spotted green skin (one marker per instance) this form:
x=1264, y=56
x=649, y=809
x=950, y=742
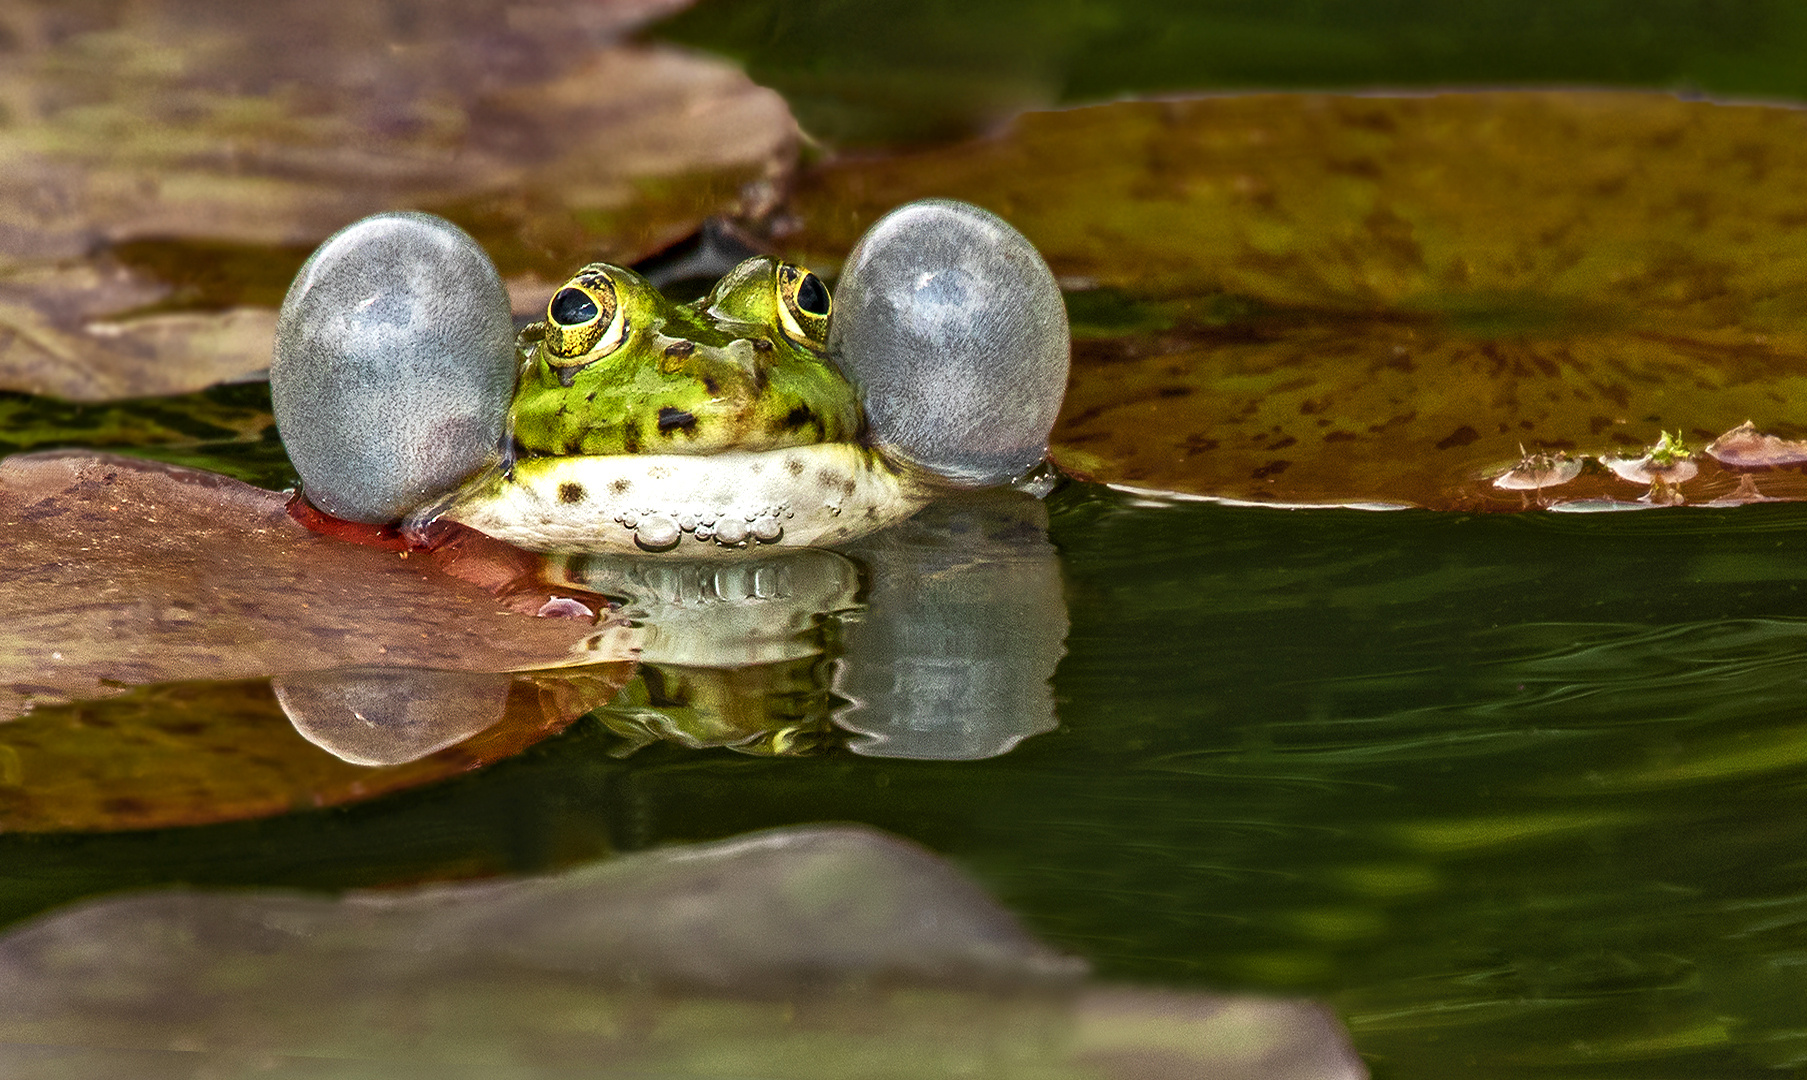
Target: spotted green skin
x=723, y=373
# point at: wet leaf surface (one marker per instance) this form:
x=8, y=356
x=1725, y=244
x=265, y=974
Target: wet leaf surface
x=166, y=166
x=1308, y=299
x=798, y=952
x=202, y=752
x=120, y=573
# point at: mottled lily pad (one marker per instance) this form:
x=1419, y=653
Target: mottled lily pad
x=805, y=952
x=118, y=573
x=166, y=165
x=1309, y=299
x=193, y=753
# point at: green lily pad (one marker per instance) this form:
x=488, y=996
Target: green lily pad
x=1311, y=299
x=164, y=168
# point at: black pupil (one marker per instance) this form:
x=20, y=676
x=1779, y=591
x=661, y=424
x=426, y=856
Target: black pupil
x=571, y=307
x=812, y=296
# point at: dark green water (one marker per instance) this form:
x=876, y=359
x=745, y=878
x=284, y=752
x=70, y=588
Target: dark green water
x=859, y=72
x=1520, y=795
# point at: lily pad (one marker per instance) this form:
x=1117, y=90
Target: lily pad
x=119, y=573
x=1312, y=299
x=199, y=752
x=803, y=952
x=150, y=144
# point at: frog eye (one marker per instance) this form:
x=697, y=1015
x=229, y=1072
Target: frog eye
x=572, y=307
x=805, y=308
x=584, y=321
x=812, y=296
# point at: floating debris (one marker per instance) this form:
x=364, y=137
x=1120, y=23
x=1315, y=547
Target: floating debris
x=1744, y=447
x=1663, y=493
x=1535, y=472
x=1668, y=463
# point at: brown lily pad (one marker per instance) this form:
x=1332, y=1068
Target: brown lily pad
x=805, y=953
x=117, y=573
x=1311, y=299
x=148, y=144
x=195, y=753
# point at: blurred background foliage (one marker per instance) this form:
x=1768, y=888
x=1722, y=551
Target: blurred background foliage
x=856, y=72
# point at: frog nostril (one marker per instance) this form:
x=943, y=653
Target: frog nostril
x=572, y=307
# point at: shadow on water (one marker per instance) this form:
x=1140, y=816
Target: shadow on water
x=1522, y=792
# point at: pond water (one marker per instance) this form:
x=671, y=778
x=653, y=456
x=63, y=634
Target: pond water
x=1515, y=794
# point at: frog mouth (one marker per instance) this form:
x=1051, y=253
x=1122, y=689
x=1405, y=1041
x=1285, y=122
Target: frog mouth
x=700, y=505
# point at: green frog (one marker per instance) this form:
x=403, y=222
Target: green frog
x=766, y=413
x=640, y=422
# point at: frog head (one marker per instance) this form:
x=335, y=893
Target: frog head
x=616, y=368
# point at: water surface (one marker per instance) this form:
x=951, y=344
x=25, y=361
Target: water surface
x=1517, y=794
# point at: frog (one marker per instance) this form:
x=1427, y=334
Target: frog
x=768, y=413
x=719, y=424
